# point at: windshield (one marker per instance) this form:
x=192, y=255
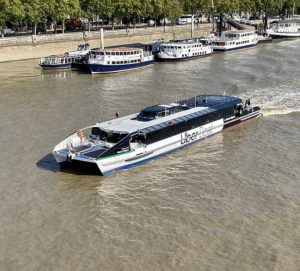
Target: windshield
x=107, y=136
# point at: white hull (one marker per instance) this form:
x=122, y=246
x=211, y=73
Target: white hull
x=170, y=56
x=283, y=34
x=284, y=29
x=234, y=40
x=117, y=162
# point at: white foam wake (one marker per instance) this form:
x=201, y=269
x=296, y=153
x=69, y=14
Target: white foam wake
x=278, y=100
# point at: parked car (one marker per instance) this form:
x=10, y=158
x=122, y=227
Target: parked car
x=151, y=23
x=186, y=19
x=72, y=24
x=8, y=31
x=41, y=28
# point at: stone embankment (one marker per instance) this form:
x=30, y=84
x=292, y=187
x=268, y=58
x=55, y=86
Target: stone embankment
x=28, y=47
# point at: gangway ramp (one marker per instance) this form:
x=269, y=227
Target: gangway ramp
x=235, y=24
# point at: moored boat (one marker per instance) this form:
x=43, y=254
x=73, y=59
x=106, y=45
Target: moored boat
x=66, y=60
x=119, y=59
x=57, y=62
x=234, y=40
x=183, y=50
x=264, y=39
x=154, y=131
x=284, y=29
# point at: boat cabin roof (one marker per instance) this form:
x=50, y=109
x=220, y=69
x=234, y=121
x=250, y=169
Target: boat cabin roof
x=119, y=49
x=291, y=21
x=159, y=116
x=238, y=32
x=179, y=43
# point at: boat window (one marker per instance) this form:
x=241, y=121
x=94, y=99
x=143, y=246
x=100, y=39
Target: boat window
x=143, y=115
x=163, y=125
x=156, y=127
x=96, y=131
x=108, y=136
x=138, y=138
x=160, y=115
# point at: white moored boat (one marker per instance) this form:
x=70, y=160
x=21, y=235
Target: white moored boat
x=234, y=40
x=284, y=29
x=183, y=50
x=67, y=60
x=117, y=59
x=156, y=130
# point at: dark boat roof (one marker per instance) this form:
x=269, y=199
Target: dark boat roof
x=212, y=102
x=161, y=108
x=178, y=112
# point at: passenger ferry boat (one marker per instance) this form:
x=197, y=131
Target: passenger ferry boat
x=67, y=60
x=183, y=50
x=234, y=40
x=284, y=29
x=57, y=62
x=117, y=59
x=154, y=131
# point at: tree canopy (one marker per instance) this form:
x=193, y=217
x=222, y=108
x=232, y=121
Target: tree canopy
x=34, y=11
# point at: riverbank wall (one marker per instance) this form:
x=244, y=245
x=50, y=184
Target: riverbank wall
x=29, y=47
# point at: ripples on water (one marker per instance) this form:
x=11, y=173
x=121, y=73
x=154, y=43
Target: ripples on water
x=230, y=202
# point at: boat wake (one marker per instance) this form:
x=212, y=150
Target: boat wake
x=279, y=100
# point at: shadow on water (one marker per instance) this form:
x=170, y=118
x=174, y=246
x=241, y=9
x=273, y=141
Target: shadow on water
x=48, y=163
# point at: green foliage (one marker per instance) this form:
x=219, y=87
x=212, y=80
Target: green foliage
x=11, y=10
x=196, y=6
x=34, y=11
x=62, y=9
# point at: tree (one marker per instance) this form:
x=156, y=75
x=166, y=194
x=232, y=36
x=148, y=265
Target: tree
x=10, y=11
x=108, y=8
x=289, y=6
x=228, y=6
x=63, y=9
x=35, y=11
x=130, y=9
x=91, y=8
x=267, y=7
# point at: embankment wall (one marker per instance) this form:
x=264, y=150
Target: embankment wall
x=28, y=47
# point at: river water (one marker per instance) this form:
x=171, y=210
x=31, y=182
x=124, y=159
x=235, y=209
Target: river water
x=231, y=202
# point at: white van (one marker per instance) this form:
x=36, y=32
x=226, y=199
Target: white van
x=186, y=19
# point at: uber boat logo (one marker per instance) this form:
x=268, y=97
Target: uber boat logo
x=201, y=133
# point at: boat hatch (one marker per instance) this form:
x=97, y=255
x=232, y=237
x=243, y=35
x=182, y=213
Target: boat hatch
x=107, y=135
x=158, y=111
